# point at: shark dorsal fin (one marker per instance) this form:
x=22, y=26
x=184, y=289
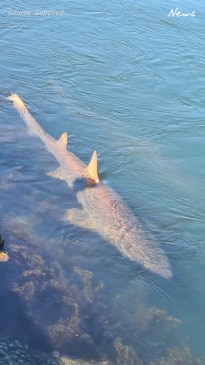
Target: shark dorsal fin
x=64, y=138
x=92, y=168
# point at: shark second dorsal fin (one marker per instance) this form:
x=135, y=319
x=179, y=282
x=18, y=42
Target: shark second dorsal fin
x=92, y=168
x=64, y=138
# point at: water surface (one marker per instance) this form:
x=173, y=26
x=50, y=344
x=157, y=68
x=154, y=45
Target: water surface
x=127, y=80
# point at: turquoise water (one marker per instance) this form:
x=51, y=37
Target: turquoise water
x=128, y=80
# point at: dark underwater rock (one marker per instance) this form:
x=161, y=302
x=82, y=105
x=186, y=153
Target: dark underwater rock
x=177, y=356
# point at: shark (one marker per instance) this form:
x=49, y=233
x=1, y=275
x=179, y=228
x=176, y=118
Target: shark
x=101, y=208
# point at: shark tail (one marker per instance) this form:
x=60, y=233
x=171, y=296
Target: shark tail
x=18, y=103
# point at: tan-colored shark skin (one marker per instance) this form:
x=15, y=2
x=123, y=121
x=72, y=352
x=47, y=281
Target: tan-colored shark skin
x=102, y=208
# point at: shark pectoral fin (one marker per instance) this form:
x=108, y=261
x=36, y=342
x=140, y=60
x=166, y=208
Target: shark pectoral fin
x=92, y=168
x=79, y=218
x=64, y=139
x=57, y=174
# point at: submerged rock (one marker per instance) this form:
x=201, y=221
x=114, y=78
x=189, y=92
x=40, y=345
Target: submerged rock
x=125, y=354
x=177, y=356
x=69, y=361
x=71, y=309
x=13, y=351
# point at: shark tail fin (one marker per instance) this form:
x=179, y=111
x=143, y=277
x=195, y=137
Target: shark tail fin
x=18, y=103
x=64, y=138
x=92, y=168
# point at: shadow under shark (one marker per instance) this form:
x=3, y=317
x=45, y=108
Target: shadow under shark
x=102, y=208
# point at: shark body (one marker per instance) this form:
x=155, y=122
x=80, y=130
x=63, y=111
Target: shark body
x=102, y=208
